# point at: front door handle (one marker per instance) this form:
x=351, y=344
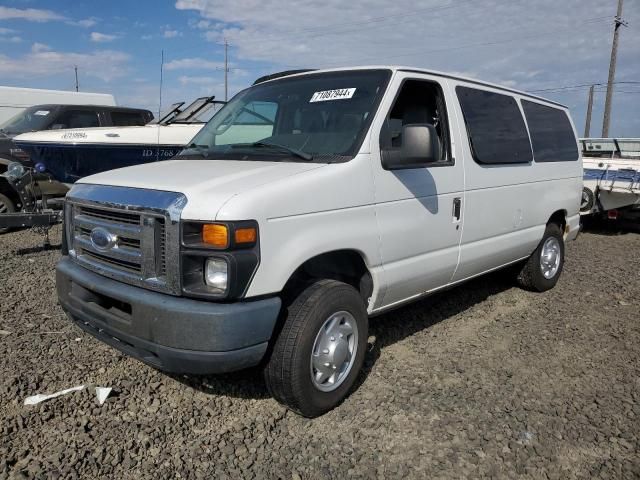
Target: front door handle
x=457, y=208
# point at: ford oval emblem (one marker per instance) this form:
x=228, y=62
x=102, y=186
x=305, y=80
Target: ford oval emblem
x=102, y=239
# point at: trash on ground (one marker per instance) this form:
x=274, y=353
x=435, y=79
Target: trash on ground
x=35, y=399
x=102, y=393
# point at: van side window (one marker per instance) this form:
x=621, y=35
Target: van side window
x=552, y=137
x=419, y=102
x=495, y=127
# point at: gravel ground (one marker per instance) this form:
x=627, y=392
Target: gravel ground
x=484, y=380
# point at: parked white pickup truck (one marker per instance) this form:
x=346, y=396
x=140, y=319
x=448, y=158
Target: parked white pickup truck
x=309, y=203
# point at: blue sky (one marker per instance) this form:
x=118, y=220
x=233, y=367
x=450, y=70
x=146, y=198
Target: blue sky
x=527, y=44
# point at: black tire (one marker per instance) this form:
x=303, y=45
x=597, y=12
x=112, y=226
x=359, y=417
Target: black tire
x=531, y=276
x=588, y=200
x=6, y=206
x=288, y=370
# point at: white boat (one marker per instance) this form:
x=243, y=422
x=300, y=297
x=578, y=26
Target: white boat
x=611, y=176
x=68, y=155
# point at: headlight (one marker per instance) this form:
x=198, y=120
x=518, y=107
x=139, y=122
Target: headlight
x=15, y=170
x=218, y=259
x=216, y=273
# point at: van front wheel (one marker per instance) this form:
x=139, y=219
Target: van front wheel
x=542, y=270
x=318, y=354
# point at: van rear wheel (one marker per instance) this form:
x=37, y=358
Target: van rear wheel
x=318, y=354
x=543, y=268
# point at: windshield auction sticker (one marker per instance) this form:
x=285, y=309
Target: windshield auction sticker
x=42, y=113
x=339, y=94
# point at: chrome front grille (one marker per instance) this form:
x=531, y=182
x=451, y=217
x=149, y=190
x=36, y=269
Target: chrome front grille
x=142, y=239
x=110, y=215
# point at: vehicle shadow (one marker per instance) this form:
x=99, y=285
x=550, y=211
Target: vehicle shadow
x=606, y=227
x=38, y=249
x=385, y=330
x=396, y=325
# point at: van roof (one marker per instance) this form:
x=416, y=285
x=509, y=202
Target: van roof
x=396, y=68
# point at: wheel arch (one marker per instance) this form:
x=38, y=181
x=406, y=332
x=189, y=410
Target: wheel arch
x=559, y=217
x=346, y=265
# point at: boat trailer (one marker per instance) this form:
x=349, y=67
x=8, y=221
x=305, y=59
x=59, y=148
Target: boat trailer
x=38, y=210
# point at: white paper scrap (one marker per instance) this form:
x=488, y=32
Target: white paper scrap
x=35, y=399
x=102, y=393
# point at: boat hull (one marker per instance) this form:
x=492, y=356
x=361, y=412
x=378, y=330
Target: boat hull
x=610, y=184
x=68, y=163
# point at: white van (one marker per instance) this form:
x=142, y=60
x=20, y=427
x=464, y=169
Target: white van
x=14, y=100
x=309, y=203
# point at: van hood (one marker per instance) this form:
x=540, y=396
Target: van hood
x=207, y=184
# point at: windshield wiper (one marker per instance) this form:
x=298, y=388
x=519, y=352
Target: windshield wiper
x=298, y=153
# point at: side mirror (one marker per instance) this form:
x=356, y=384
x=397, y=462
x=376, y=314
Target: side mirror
x=419, y=148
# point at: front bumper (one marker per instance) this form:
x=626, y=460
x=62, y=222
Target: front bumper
x=173, y=334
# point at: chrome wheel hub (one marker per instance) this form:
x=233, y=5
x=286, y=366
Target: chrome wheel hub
x=334, y=351
x=550, y=258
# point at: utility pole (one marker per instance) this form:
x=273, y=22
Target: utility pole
x=226, y=68
x=587, y=124
x=161, y=75
x=75, y=67
x=612, y=70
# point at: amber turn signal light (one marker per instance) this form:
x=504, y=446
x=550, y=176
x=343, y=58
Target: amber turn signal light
x=216, y=235
x=246, y=235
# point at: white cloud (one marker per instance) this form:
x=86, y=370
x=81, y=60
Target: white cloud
x=85, y=23
x=186, y=80
x=13, y=39
x=193, y=64
x=146, y=37
x=530, y=47
x=40, y=47
x=102, y=37
x=29, y=14
x=45, y=62
x=431, y=33
x=171, y=34
x=7, y=35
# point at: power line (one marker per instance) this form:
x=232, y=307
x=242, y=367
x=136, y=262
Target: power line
x=583, y=85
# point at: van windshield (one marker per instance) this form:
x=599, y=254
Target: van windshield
x=30, y=119
x=314, y=117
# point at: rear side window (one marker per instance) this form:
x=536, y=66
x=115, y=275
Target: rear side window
x=128, y=119
x=552, y=137
x=496, y=129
